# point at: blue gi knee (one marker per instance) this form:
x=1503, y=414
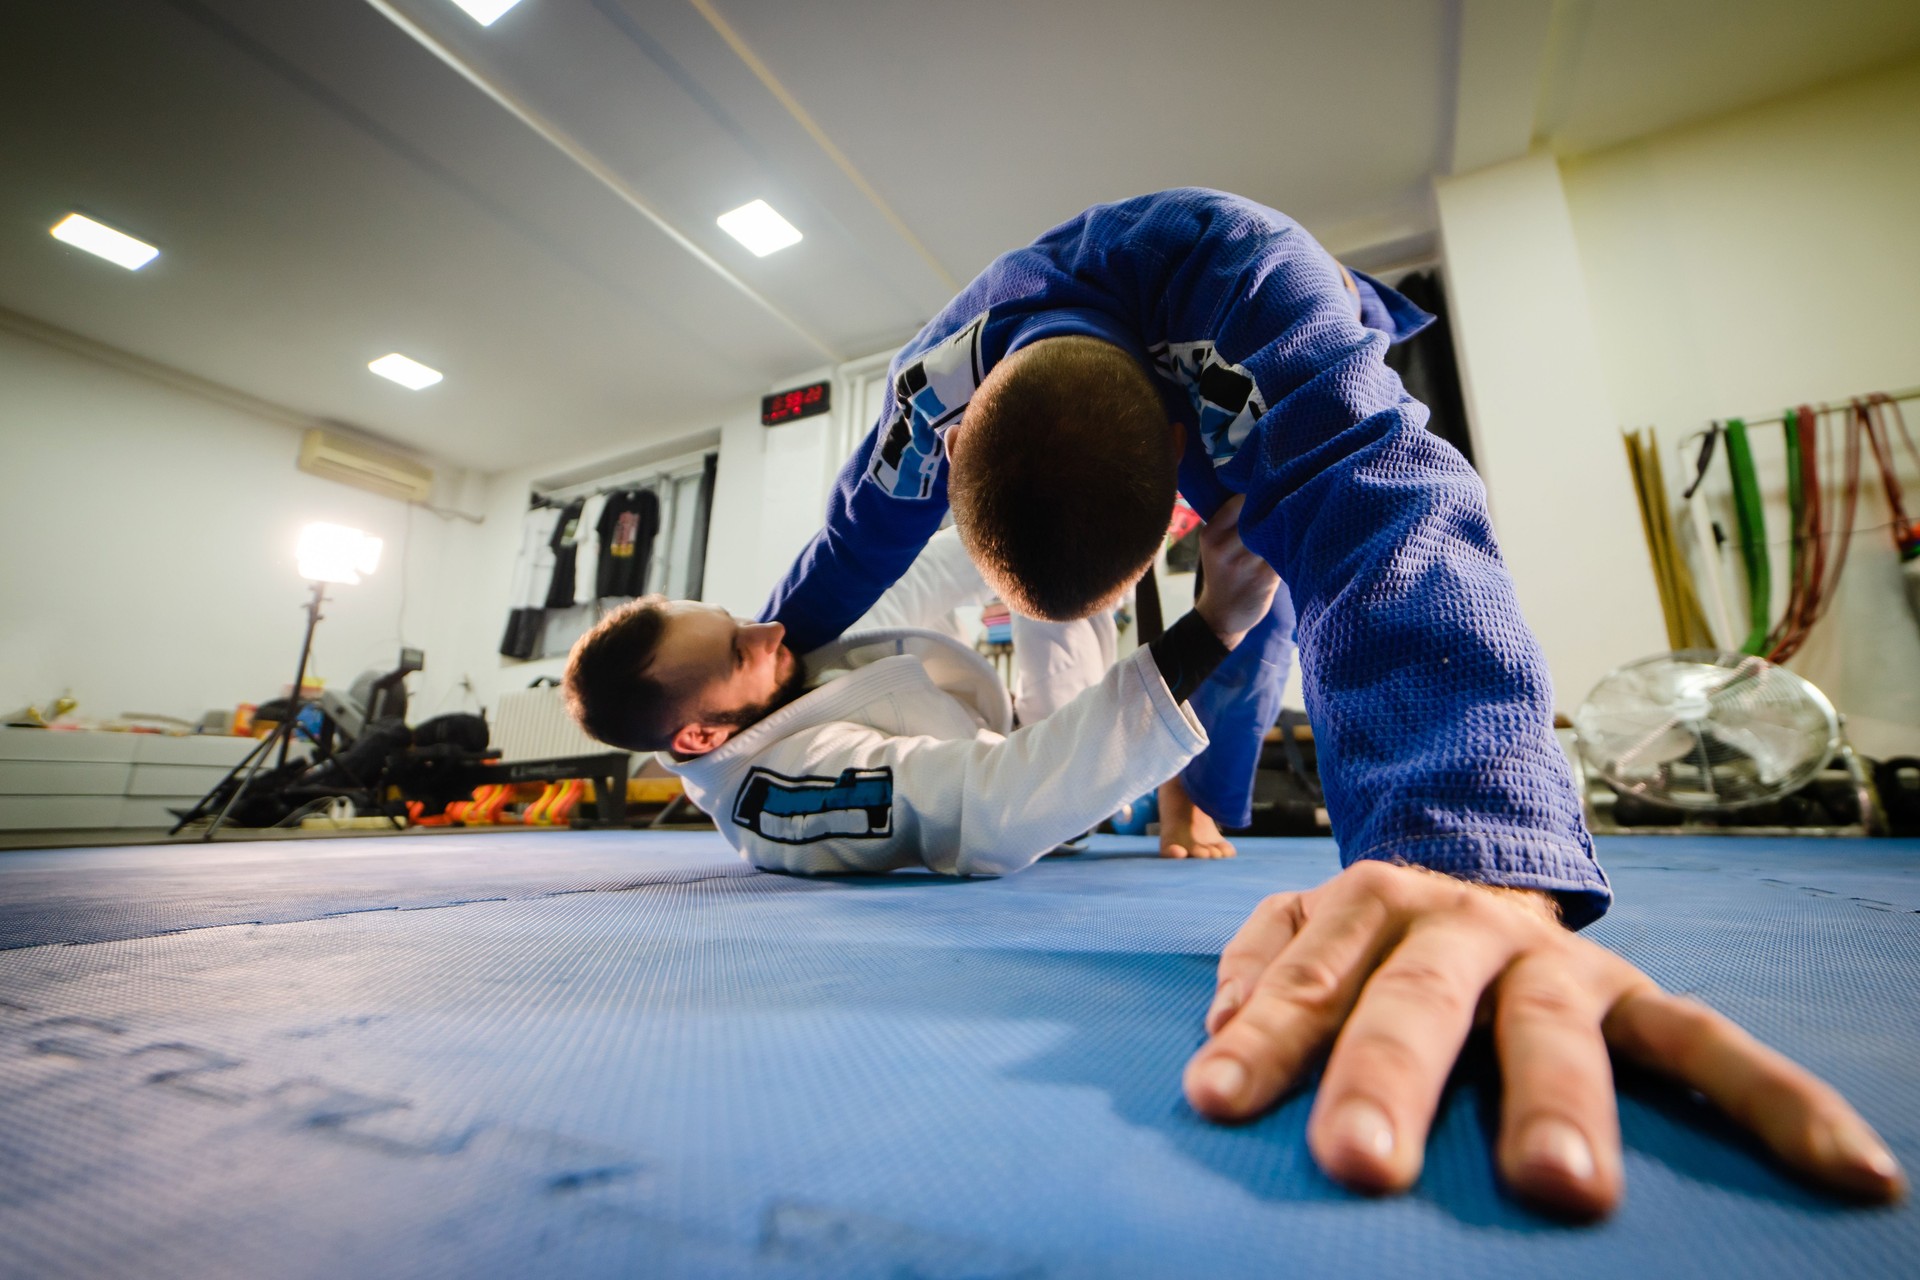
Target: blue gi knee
x=1236, y=706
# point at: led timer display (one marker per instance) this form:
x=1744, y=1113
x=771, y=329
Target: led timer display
x=791, y=406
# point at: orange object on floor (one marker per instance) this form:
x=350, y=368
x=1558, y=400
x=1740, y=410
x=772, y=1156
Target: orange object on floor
x=560, y=811
x=418, y=816
x=536, y=813
x=488, y=802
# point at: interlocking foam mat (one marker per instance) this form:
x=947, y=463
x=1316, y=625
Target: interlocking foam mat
x=626, y=1054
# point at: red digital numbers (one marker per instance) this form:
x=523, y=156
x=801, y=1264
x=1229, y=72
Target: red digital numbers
x=787, y=406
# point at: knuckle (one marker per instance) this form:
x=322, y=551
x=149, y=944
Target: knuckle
x=1274, y=907
x=1310, y=985
x=1543, y=1002
x=1420, y=981
x=1380, y=1054
x=1372, y=876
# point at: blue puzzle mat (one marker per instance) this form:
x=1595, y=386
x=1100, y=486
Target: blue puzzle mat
x=626, y=1054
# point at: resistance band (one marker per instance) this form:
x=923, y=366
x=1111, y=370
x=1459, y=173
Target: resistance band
x=1752, y=523
x=1707, y=546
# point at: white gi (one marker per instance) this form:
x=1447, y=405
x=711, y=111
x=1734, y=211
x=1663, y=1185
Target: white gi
x=902, y=759
x=1052, y=661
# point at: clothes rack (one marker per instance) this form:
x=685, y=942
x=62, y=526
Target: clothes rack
x=1911, y=393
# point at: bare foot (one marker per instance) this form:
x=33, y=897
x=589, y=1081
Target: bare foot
x=1187, y=831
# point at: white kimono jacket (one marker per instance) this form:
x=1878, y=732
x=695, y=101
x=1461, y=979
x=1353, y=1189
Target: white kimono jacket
x=902, y=759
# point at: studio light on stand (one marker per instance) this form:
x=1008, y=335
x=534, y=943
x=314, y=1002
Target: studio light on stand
x=326, y=554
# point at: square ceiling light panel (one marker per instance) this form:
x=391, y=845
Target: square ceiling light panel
x=104, y=242
x=759, y=228
x=485, y=12
x=410, y=374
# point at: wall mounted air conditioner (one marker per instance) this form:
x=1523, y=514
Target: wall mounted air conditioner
x=334, y=456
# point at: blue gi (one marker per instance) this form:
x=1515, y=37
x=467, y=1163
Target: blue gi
x=1429, y=699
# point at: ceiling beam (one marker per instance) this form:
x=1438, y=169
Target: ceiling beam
x=1502, y=57
x=598, y=169
x=167, y=375
x=806, y=121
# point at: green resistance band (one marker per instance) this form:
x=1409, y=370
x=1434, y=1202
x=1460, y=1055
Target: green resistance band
x=1797, y=509
x=1752, y=522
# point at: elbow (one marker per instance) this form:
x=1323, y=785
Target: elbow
x=993, y=855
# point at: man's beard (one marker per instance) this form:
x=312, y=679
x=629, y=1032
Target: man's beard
x=792, y=687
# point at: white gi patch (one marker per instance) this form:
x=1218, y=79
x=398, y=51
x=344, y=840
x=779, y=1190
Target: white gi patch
x=929, y=396
x=1226, y=400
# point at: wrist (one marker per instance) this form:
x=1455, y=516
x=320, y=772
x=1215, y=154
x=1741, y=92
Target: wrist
x=1187, y=653
x=1224, y=629
x=1540, y=902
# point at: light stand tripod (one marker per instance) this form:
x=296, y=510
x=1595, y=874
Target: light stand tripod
x=282, y=734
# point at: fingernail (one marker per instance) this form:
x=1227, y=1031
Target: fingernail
x=1223, y=1077
x=1364, y=1127
x=1857, y=1147
x=1557, y=1145
x=1225, y=1001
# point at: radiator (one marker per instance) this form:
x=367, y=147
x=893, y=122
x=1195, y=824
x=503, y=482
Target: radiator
x=533, y=724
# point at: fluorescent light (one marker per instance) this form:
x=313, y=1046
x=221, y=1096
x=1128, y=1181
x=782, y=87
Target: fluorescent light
x=336, y=553
x=410, y=374
x=115, y=246
x=759, y=228
x=485, y=11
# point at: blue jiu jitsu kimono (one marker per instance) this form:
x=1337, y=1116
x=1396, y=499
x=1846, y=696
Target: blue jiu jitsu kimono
x=1429, y=698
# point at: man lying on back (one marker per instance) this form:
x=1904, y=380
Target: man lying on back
x=892, y=748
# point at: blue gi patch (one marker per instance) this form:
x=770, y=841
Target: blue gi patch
x=1226, y=400
x=857, y=805
x=929, y=396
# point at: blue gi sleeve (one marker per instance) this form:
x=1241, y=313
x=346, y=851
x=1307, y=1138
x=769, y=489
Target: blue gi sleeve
x=869, y=540
x=1430, y=699
x=1236, y=706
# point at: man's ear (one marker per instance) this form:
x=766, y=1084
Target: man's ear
x=697, y=739
x=1179, y=439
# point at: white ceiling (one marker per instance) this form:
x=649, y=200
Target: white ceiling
x=529, y=207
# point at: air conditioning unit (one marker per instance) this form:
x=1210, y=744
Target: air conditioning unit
x=333, y=456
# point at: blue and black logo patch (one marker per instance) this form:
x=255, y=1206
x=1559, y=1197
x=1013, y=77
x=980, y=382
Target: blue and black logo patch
x=857, y=805
x=929, y=396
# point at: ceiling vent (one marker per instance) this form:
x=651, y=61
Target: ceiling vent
x=342, y=458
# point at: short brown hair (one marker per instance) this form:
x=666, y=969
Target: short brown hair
x=607, y=689
x=1062, y=481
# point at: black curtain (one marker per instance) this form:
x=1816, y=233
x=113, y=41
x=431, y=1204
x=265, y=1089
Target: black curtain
x=1426, y=365
x=702, y=513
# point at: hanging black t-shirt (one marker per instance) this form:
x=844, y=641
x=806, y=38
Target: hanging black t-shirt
x=566, y=546
x=627, y=527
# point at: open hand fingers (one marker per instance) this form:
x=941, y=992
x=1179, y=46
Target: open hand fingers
x=1383, y=1082
x=1801, y=1119
x=1291, y=1010
x=1266, y=933
x=1559, y=1130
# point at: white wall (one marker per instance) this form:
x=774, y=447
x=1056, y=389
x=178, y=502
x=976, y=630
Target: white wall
x=769, y=498
x=1757, y=261
x=1545, y=433
x=149, y=540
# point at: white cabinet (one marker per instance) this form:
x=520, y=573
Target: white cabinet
x=52, y=779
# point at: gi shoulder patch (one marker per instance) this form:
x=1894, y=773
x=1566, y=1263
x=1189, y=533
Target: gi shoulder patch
x=857, y=805
x=1226, y=400
x=929, y=396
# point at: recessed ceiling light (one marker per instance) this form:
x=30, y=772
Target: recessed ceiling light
x=485, y=11
x=759, y=228
x=105, y=242
x=410, y=374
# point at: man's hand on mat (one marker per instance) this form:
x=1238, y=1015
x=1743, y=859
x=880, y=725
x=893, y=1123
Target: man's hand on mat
x=1392, y=966
x=1239, y=585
